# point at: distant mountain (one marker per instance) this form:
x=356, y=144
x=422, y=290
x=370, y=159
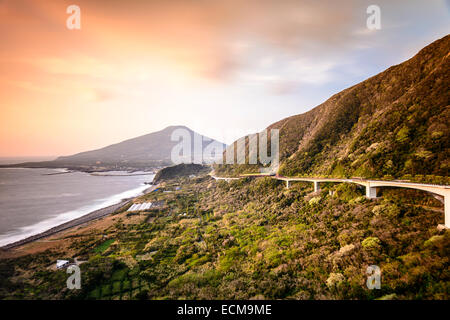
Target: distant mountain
x=146, y=151
x=395, y=124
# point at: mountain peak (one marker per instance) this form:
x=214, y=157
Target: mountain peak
x=174, y=127
x=153, y=149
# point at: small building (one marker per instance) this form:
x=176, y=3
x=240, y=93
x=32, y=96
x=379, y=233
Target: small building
x=62, y=264
x=140, y=206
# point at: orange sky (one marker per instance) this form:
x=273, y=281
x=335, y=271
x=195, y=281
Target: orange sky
x=223, y=68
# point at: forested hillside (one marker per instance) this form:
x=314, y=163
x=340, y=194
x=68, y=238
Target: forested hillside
x=250, y=238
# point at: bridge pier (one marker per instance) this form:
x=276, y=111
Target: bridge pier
x=371, y=192
x=316, y=186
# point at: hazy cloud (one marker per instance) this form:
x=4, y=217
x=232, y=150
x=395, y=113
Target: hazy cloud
x=182, y=60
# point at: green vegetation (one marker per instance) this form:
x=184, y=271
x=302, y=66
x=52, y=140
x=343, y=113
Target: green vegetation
x=105, y=245
x=394, y=125
x=179, y=171
x=253, y=238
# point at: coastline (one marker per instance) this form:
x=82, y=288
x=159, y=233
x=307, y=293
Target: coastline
x=94, y=215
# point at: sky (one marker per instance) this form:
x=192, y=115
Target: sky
x=224, y=68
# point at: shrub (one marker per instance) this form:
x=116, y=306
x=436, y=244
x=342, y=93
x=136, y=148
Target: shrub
x=388, y=210
x=105, y=245
x=391, y=296
x=335, y=279
x=433, y=241
x=347, y=192
x=314, y=201
x=357, y=200
x=403, y=135
x=371, y=243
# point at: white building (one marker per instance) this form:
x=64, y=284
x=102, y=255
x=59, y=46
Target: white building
x=62, y=263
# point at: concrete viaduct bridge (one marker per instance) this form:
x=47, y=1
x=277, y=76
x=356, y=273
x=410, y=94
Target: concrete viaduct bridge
x=371, y=187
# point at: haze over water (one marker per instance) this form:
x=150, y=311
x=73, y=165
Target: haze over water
x=35, y=200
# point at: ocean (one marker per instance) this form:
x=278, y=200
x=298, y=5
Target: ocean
x=35, y=200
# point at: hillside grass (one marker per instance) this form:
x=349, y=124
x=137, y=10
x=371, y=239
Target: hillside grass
x=252, y=238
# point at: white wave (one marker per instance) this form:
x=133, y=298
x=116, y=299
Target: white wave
x=61, y=170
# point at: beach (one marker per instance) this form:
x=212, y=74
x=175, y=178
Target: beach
x=97, y=214
x=35, y=201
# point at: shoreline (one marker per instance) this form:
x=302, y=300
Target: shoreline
x=94, y=215
x=81, y=168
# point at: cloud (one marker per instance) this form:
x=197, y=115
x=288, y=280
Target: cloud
x=284, y=87
x=200, y=36
x=73, y=66
x=205, y=38
x=186, y=59
x=101, y=95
